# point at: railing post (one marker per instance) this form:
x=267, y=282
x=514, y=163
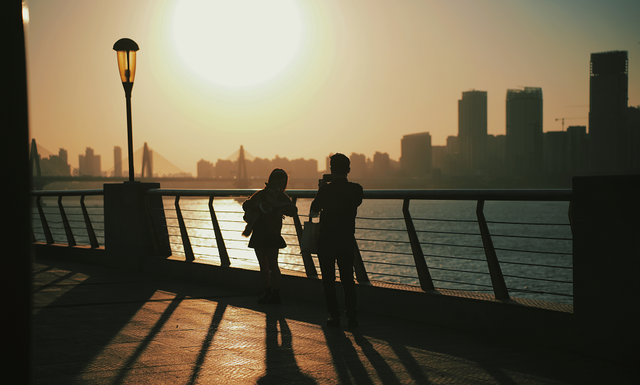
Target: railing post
x=309, y=266
x=222, y=248
x=426, y=283
x=186, y=243
x=87, y=221
x=358, y=264
x=43, y=221
x=65, y=222
x=497, y=279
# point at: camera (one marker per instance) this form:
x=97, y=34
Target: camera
x=326, y=178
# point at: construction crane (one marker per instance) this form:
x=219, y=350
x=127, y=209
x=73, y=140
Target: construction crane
x=567, y=119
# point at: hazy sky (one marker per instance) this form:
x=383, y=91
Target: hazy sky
x=302, y=79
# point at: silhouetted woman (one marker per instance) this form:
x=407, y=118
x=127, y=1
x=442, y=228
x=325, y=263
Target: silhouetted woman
x=264, y=212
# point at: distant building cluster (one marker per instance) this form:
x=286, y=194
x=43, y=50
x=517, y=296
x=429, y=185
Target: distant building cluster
x=611, y=146
x=89, y=163
x=257, y=168
x=55, y=164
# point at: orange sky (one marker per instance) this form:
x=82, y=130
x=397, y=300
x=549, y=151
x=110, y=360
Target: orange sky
x=365, y=73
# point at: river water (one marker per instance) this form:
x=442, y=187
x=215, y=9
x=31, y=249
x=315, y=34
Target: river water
x=532, y=241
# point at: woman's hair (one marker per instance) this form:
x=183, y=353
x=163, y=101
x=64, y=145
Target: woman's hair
x=279, y=174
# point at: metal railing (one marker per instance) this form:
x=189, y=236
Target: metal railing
x=403, y=236
x=472, y=253
x=68, y=221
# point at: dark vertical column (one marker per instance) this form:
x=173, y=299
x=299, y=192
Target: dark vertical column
x=606, y=264
x=16, y=207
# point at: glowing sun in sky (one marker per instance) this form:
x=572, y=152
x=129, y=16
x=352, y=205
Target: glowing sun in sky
x=238, y=43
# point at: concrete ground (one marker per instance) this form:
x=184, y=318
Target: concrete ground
x=97, y=325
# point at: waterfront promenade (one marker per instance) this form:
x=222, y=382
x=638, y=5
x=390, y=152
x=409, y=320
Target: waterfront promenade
x=97, y=325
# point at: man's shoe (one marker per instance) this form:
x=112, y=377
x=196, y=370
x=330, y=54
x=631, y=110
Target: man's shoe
x=333, y=322
x=353, y=323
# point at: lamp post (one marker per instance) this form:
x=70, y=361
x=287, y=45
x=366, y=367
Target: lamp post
x=126, y=50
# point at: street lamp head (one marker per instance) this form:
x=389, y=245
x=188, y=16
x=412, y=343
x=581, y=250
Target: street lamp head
x=126, y=49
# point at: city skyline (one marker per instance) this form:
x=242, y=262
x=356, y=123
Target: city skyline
x=368, y=74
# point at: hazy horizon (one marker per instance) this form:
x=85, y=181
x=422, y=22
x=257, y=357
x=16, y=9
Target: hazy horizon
x=330, y=76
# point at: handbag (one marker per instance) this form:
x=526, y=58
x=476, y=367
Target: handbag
x=309, y=242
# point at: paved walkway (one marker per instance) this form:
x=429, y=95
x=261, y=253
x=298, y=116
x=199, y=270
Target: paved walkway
x=96, y=325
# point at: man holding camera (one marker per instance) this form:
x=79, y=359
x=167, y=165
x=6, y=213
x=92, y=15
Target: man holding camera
x=337, y=203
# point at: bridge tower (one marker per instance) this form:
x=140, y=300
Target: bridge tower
x=242, y=180
x=34, y=160
x=147, y=162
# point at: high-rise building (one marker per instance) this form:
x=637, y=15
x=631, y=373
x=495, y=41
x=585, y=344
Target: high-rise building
x=496, y=147
x=555, y=153
x=415, y=158
x=578, y=143
x=472, y=131
x=117, y=161
x=609, y=143
x=89, y=163
x=524, y=131
x=62, y=154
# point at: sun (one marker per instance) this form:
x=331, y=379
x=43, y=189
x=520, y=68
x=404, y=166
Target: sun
x=237, y=43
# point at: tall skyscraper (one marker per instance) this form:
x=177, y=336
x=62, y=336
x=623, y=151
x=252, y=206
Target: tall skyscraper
x=415, y=158
x=472, y=131
x=609, y=144
x=117, y=161
x=524, y=131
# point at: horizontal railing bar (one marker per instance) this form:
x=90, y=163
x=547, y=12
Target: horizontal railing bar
x=381, y=240
x=530, y=237
x=529, y=223
x=66, y=193
x=541, y=292
x=535, y=251
x=447, y=232
x=380, y=219
x=461, y=271
x=470, y=195
x=448, y=220
x=374, y=229
x=536, y=279
x=454, y=257
x=464, y=283
x=451, y=245
x=384, y=252
x=536, y=265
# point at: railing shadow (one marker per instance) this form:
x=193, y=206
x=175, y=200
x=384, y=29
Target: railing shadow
x=63, y=316
x=94, y=333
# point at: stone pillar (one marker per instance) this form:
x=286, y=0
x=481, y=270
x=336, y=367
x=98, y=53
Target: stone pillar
x=130, y=233
x=606, y=268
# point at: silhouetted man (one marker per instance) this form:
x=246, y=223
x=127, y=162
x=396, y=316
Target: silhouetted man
x=337, y=202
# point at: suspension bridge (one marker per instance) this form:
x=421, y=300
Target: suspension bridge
x=149, y=166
